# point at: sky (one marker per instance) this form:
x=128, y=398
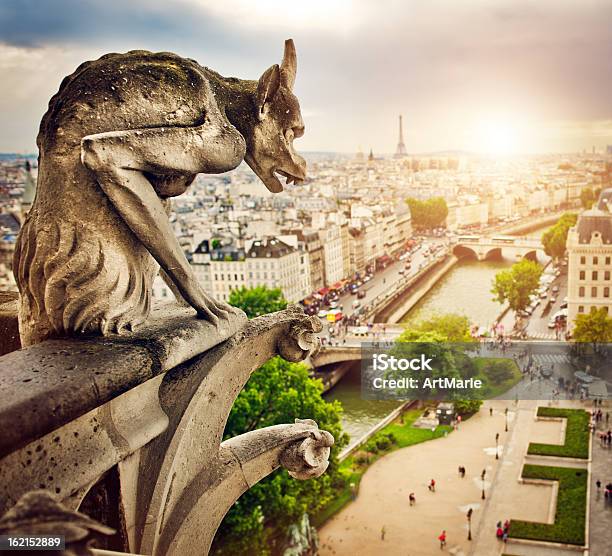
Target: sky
x=492, y=76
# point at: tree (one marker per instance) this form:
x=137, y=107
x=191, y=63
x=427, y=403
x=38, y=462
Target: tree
x=278, y=392
x=516, y=284
x=555, y=238
x=588, y=196
x=454, y=328
x=428, y=214
x=258, y=301
x=499, y=371
x=467, y=407
x=594, y=327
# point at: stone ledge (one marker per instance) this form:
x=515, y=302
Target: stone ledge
x=52, y=383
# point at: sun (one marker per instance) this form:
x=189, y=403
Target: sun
x=498, y=137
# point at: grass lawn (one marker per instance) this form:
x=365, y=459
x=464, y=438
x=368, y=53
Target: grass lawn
x=490, y=389
x=570, y=515
x=576, y=434
x=354, y=468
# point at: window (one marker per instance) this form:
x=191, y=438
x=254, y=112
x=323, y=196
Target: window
x=606, y=292
x=581, y=291
x=594, y=275
x=607, y=275
x=582, y=260
x=582, y=275
x=607, y=260
x=581, y=308
x=595, y=260
x=594, y=291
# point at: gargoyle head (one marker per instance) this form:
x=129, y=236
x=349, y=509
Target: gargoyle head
x=270, y=150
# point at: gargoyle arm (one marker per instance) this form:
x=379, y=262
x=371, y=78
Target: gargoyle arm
x=119, y=160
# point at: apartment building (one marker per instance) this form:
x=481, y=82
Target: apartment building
x=589, y=247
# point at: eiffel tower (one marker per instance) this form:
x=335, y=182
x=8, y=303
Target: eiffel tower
x=400, y=150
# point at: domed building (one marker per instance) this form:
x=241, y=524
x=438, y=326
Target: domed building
x=589, y=247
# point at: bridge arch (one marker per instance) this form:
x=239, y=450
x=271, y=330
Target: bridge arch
x=531, y=255
x=461, y=251
x=493, y=253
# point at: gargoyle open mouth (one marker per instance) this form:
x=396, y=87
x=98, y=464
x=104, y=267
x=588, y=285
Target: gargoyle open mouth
x=290, y=178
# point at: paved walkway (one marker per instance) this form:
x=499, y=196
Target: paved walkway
x=384, y=490
x=600, y=522
x=518, y=500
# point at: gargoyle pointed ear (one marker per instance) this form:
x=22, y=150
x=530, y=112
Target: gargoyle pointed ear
x=289, y=65
x=267, y=87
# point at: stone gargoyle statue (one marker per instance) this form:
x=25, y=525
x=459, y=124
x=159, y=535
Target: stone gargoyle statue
x=124, y=134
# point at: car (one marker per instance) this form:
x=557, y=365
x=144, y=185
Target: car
x=361, y=294
x=322, y=314
x=555, y=289
x=356, y=304
x=335, y=315
x=334, y=304
x=401, y=271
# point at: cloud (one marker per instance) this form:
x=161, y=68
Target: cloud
x=443, y=64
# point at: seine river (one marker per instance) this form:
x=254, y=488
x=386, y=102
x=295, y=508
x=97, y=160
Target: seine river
x=466, y=290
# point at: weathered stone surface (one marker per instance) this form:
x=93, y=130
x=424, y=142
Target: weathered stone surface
x=38, y=513
x=9, y=326
x=52, y=383
x=161, y=425
x=123, y=135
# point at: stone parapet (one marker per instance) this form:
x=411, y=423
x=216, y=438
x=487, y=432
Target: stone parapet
x=143, y=416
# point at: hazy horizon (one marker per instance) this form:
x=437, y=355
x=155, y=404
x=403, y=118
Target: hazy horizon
x=503, y=78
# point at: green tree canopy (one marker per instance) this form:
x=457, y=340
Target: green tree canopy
x=278, y=392
x=439, y=337
x=428, y=214
x=258, y=301
x=555, y=238
x=453, y=328
x=594, y=327
x=516, y=284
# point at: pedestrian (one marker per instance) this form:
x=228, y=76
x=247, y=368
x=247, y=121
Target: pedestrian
x=598, y=484
x=462, y=472
x=412, y=498
x=491, y=411
x=459, y=469
x=442, y=539
x=432, y=485
x=383, y=531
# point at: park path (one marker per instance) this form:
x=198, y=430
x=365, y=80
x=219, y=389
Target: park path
x=383, y=495
x=600, y=522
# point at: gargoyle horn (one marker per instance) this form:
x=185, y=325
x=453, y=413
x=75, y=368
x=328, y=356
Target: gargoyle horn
x=289, y=64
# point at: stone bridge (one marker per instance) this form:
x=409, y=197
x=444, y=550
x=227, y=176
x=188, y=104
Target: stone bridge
x=349, y=347
x=484, y=247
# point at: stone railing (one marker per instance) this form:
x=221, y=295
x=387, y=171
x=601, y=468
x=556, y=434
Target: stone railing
x=129, y=430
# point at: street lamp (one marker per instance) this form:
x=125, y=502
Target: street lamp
x=482, y=477
x=496, y=444
x=469, y=520
x=506, y=412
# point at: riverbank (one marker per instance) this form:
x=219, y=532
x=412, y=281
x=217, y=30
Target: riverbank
x=398, y=308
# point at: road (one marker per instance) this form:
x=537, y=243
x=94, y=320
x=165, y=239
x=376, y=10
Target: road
x=537, y=324
x=387, y=279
